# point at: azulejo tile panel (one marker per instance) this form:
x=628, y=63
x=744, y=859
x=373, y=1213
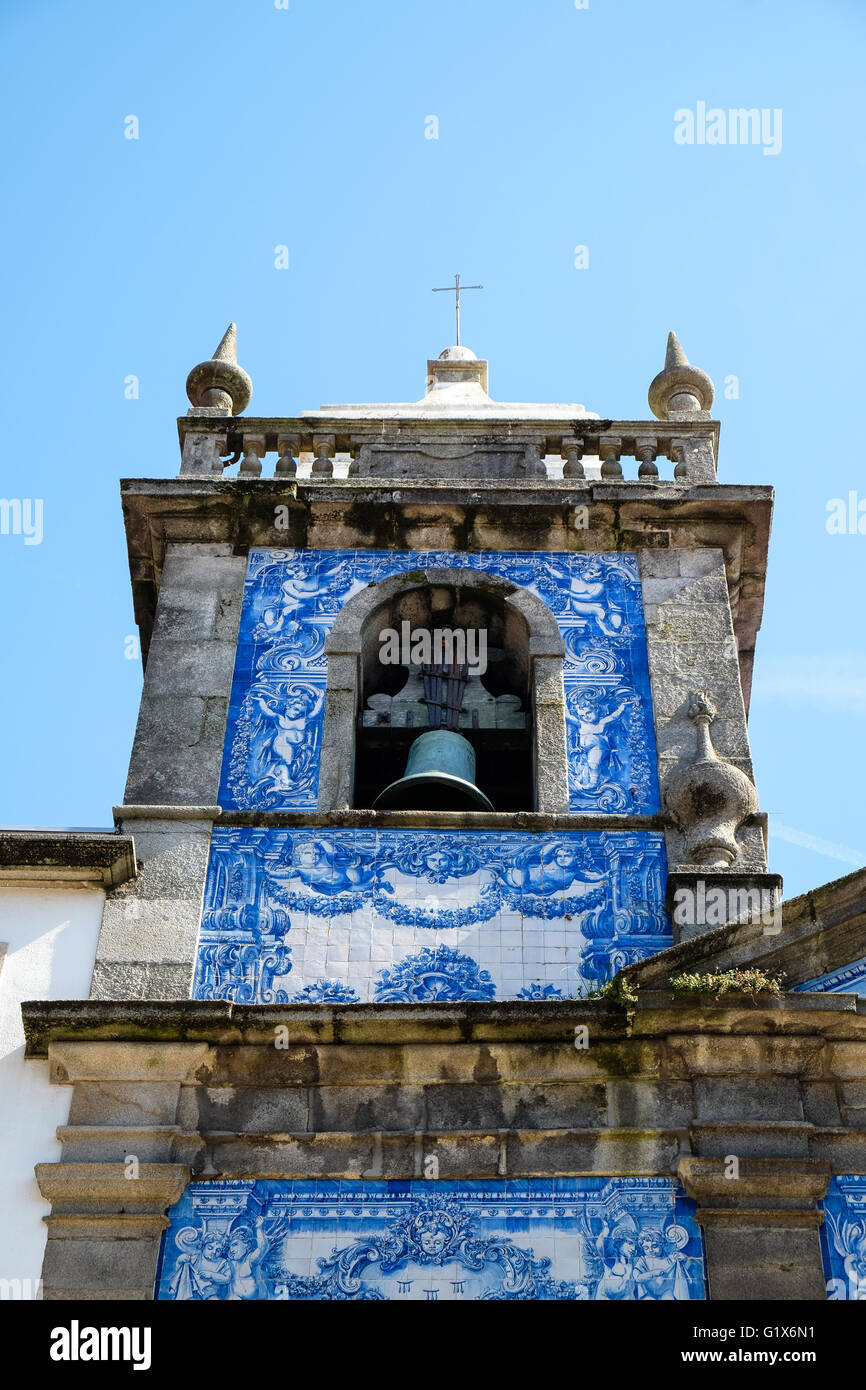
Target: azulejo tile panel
x=291, y=597
x=843, y=1238
x=848, y=979
x=604, y=1239
x=340, y=916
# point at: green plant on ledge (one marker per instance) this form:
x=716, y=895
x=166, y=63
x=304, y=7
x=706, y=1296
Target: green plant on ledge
x=715, y=983
x=619, y=990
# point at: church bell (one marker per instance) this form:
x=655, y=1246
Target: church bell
x=439, y=776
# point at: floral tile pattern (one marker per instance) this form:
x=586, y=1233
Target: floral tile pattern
x=565, y=1239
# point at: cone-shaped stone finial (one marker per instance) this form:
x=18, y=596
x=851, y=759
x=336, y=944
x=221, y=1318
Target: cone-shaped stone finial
x=674, y=356
x=680, y=389
x=220, y=382
x=228, y=346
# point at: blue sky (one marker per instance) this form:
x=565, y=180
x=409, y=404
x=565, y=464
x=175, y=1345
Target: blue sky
x=306, y=127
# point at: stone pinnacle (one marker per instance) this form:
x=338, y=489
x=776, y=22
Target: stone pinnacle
x=674, y=356
x=228, y=346
x=219, y=383
x=680, y=390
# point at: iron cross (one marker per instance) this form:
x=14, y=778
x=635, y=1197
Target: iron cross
x=455, y=290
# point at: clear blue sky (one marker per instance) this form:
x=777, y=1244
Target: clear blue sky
x=305, y=127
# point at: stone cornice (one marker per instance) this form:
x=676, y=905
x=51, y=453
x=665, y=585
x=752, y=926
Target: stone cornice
x=55, y=857
x=220, y=1023
x=478, y=514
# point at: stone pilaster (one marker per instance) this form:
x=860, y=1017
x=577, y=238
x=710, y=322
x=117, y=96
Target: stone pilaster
x=147, y=943
x=147, y=940
x=126, y=1159
x=691, y=646
x=104, y=1229
x=760, y=1221
x=177, y=752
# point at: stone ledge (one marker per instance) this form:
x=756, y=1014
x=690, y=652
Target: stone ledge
x=81, y=1187
x=763, y=1185
x=841, y=1017
x=180, y=812
x=395, y=1154
x=446, y=820
x=101, y=857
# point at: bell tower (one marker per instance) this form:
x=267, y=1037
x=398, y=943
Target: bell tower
x=441, y=777
x=309, y=708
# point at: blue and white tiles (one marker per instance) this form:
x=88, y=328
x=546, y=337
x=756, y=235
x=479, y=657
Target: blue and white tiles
x=848, y=979
x=843, y=1238
x=273, y=738
x=572, y=1239
x=338, y=916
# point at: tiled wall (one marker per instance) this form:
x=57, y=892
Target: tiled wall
x=605, y=1239
x=843, y=1238
x=273, y=739
x=848, y=979
x=414, y=916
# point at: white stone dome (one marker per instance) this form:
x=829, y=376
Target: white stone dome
x=457, y=354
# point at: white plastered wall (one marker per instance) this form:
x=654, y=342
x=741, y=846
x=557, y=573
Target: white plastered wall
x=50, y=935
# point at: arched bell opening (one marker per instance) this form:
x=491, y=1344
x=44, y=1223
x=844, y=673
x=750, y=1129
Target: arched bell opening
x=523, y=631
x=444, y=719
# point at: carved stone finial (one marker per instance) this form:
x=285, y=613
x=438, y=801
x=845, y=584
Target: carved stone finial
x=679, y=389
x=220, y=381
x=710, y=798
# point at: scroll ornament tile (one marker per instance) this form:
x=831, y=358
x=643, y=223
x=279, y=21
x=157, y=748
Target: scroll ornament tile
x=341, y=916
x=848, y=979
x=273, y=737
x=570, y=1239
x=843, y=1238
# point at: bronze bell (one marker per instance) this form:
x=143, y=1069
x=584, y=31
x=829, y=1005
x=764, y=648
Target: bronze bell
x=439, y=776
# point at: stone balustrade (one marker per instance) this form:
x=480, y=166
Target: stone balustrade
x=644, y=452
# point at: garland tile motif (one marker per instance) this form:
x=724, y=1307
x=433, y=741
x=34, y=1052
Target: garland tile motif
x=341, y=916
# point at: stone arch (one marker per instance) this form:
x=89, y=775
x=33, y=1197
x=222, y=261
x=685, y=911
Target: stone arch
x=343, y=648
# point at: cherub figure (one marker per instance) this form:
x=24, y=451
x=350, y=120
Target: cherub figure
x=301, y=584
x=327, y=867
x=202, y=1274
x=586, y=599
x=285, y=750
x=246, y=1250
x=549, y=868
x=617, y=1251
x=659, y=1272
x=594, y=748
